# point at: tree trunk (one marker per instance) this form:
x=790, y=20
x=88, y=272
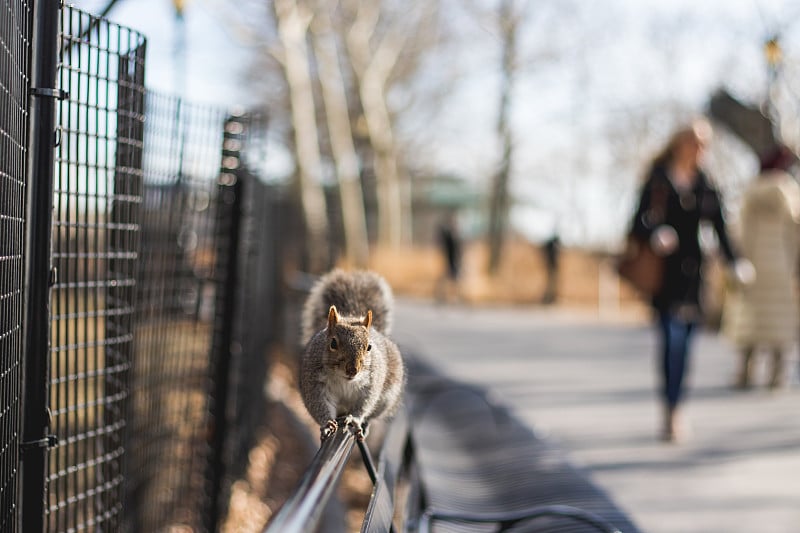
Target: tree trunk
x=499, y=201
x=386, y=172
x=293, y=20
x=334, y=96
x=373, y=70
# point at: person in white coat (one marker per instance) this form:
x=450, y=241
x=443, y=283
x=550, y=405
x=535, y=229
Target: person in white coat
x=764, y=313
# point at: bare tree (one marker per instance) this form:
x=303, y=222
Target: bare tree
x=334, y=94
x=374, y=56
x=362, y=51
x=293, y=19
x=508, y=21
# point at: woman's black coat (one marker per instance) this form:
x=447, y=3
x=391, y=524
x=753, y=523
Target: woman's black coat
x=660, y=203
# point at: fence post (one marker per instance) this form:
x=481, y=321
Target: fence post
x=228, y=236
x=38, y=277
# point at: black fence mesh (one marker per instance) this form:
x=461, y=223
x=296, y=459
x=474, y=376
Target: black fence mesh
x=175, y=312
x=15, y=47
x=166, y=293
x=95, y=248
x=249, y=313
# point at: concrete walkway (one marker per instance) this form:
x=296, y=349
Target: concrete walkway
x=589, y=385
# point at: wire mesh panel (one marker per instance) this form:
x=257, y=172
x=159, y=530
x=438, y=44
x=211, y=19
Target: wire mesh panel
x=95, y=248
x=257, y=319
x=176, y=302
x=15, y=46
x=139, y=374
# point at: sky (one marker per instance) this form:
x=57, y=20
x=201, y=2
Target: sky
x=214, y=57
x=616, y=65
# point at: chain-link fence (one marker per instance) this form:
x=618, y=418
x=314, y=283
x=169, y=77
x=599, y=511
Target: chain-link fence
x=155, y=259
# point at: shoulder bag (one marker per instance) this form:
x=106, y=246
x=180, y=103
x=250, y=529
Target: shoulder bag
x=639, y=265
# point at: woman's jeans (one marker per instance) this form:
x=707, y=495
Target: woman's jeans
x=676, y=334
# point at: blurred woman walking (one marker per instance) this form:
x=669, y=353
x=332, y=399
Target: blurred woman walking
x=676, y=196
x=764, y=314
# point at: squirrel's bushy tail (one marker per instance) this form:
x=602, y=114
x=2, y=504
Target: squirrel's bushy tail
x=353, y=293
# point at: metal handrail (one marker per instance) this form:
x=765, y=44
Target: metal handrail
x=303, y=510
x=509, y=519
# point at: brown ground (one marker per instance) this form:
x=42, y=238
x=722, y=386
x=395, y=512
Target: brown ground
x=520, y=280
x=277, y=461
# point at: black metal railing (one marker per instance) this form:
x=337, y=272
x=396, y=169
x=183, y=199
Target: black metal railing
x=508, y=520
x=303, y=510
x=401, y=495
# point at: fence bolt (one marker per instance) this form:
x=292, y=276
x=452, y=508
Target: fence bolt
x=50, y=441
x=51, y=93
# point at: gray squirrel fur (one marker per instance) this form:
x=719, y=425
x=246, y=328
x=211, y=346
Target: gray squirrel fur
x=350, y=369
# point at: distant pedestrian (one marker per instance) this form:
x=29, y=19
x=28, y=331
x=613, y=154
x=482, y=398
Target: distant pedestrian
x=551, y=249
x=676, y=196
x=449, y=238
x=764, y=314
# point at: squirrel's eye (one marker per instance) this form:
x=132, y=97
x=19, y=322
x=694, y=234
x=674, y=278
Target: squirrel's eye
x=334, y=344
x=369, y=347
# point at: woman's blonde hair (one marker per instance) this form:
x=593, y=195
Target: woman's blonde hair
x=698, y=130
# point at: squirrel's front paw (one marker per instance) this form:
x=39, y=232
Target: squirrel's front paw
x=359, y=427
x=330, y=427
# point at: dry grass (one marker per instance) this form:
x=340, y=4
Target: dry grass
x=520, y=280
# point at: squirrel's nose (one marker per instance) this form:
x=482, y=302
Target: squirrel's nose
x=351, y=370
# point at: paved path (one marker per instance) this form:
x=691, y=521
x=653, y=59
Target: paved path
x=589, y=385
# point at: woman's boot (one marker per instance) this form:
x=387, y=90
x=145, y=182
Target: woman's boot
x=777, y=369
x=673, y=428
x=746, y=370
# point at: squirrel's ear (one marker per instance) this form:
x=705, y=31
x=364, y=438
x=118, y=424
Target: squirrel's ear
x=368, y=319
x=333, y=317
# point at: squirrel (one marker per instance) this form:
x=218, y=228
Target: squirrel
x=350, y=371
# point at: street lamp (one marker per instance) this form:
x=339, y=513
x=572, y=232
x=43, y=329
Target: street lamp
x=773, y=52
x=774, y=56
x=179, y=50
